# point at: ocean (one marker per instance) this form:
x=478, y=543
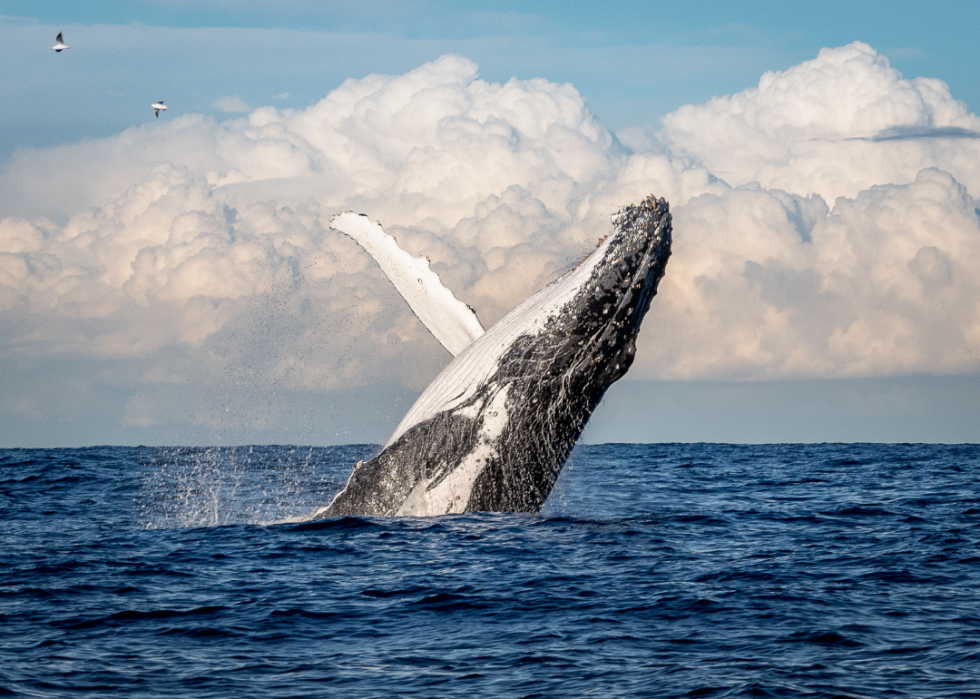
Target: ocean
x=660, y=570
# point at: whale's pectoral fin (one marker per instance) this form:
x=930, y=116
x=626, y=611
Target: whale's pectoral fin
x=452, y=322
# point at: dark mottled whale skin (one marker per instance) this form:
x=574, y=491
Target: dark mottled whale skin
x=493, y=431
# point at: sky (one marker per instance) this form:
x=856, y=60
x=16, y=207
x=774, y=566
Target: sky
x=175, y=281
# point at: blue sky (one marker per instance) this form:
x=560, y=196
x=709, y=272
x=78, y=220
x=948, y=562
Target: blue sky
x=633, y=61
x=247, y=338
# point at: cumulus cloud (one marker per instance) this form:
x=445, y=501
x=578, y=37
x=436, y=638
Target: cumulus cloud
x=835, y=126
x=769, y=284
x=232, y=104
x=824, y=226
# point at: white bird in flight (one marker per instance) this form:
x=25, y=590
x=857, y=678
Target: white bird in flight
x=59, y=44
x=158, y=107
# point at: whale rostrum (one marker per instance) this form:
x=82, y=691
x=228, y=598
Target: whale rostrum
x=492, y=432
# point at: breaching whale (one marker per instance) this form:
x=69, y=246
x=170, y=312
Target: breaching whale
x=492, y=432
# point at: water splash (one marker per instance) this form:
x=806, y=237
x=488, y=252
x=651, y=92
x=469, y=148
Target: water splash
x=216, y=486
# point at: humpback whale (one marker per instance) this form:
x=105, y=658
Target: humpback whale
x=492, y=432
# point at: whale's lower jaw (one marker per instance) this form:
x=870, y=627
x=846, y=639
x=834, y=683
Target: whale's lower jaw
x=509, y=409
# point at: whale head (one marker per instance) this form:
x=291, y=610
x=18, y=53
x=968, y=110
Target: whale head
x=591, y=342
x=494, y=429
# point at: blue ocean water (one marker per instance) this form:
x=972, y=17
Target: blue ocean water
x=661, y=570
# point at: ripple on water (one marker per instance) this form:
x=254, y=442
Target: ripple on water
x=654, y=570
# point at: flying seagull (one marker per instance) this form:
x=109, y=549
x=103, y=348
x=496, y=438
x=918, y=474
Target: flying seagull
x=158, y=107
x=59, y=44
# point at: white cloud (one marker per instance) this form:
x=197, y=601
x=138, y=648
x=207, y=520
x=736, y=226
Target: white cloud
x=767, y=284
x=201, y=248
x=232, y=104
x=836, y=125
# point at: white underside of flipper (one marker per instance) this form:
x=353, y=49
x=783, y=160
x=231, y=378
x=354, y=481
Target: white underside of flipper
x=450, y=320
